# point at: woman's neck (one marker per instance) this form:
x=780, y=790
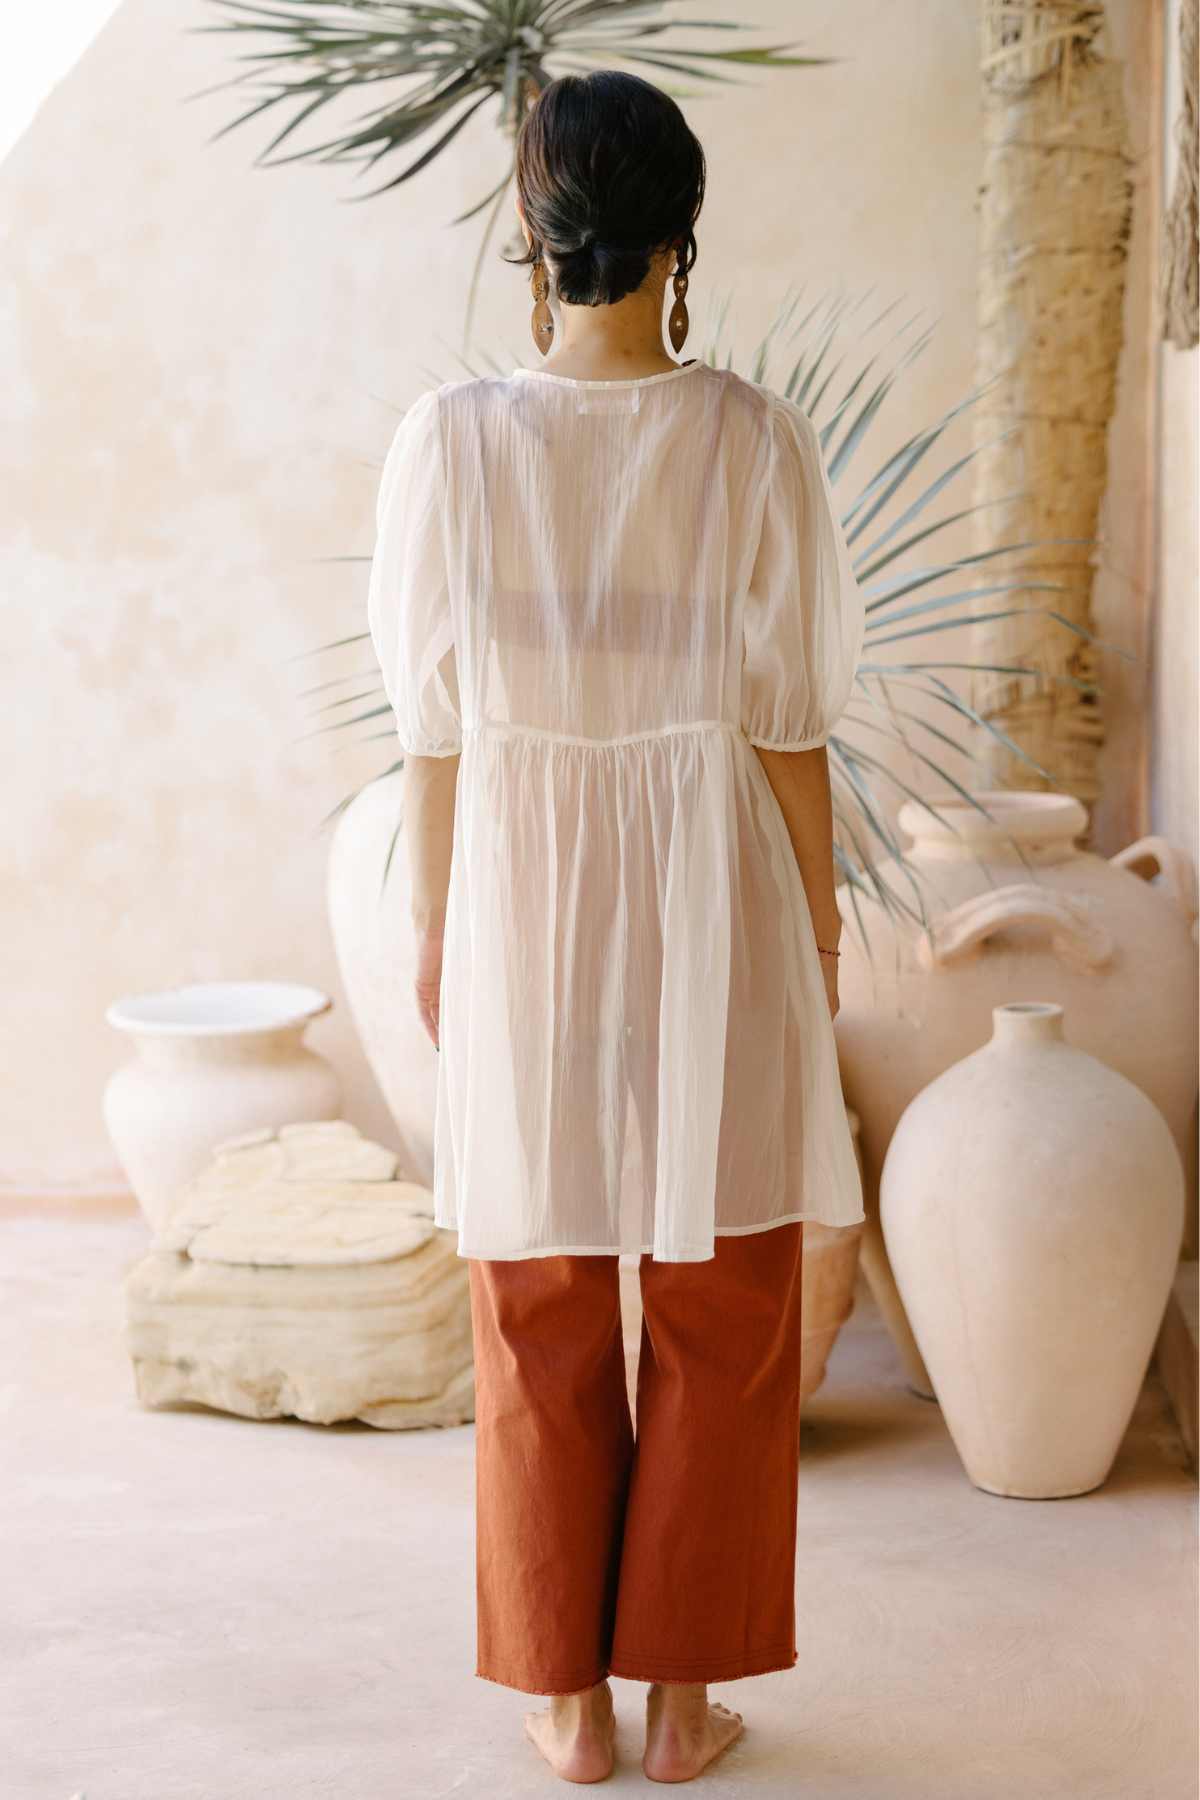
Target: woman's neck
x=611, y=343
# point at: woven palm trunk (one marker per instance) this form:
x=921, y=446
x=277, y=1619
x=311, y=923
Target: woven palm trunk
x=1055, y=218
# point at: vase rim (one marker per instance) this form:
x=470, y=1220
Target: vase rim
x=218, y=1009
x=1029, y=1020
x=1018, y=813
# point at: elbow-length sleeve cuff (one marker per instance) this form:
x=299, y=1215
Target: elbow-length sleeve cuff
x=772, y=743
x=804, y=617
x=408, y=604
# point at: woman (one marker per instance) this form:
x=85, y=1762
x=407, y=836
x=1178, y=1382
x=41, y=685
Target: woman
x=616, y=620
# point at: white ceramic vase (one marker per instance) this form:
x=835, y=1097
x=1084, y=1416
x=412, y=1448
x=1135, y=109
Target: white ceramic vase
x=1016, y=908
x=369, y=895
x=214, y=1060
x=1032, y=1202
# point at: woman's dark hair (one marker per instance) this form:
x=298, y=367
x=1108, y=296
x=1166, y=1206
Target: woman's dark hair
x=608, y=172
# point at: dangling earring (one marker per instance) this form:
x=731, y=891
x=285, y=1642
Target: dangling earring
x=542, y=322
x=677, y=324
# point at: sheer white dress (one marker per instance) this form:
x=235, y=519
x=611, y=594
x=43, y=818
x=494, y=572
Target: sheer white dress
x=603, y=594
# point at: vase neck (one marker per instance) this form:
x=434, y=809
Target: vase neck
x=174, y=1049
x=1027, y=1022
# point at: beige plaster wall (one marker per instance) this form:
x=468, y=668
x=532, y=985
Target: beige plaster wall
x=1174, y=739
x=199, y=370
x=1174, y=735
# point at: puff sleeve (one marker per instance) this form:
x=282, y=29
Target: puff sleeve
x=804, y=616
x=408, y=601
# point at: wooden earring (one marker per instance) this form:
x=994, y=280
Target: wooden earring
x=677, y=325
x=542, y=322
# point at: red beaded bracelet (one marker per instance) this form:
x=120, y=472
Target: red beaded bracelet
x=822, y=950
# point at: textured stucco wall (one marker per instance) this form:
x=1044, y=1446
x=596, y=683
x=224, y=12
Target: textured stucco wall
x=1174, y=734
x=1175, y=730
x=199, y=368
x=1173, y=765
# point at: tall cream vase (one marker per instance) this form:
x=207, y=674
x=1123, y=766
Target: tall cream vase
x=1032, y=1203
x=1016, y=908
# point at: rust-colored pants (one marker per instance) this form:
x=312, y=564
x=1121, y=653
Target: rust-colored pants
x=668, y=1558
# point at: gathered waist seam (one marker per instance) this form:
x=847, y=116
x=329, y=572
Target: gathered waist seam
x=513, y=729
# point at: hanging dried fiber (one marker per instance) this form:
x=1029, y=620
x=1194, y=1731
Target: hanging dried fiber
x=1055, y=206
x=1181, y=235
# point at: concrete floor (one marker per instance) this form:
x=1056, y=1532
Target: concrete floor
x=201, y=1608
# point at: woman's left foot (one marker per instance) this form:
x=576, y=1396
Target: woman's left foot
x=577, y=1734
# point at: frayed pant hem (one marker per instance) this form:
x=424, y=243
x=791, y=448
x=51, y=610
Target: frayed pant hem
x=562, y=1684
x=682, y=1674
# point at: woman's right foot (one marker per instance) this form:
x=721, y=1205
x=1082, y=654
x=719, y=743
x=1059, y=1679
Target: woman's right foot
x=684, y=1731
x=576, y=1734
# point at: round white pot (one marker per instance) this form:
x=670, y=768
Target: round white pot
x=214, y=1060
x=1032, y=1200
x=368, y=895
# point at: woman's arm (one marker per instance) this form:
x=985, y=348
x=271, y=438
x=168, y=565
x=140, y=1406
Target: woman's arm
x=430, y=784
x=800, y=782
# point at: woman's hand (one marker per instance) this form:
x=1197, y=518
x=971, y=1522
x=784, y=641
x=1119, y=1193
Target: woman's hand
x=800, y=782
x=430, y=784
x=428, y=982
x=829, y=968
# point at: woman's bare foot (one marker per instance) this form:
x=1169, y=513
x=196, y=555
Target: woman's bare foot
x=577, y=1733
x=684, y=1732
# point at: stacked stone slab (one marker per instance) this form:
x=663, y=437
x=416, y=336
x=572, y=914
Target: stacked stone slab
x=299, y=1277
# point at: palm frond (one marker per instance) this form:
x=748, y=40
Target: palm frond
x=436, y=66
x=307, y=55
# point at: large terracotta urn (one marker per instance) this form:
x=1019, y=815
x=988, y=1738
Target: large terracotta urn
x=1014, y=907
x=368, y=897
x=830, y=1274
x=214, y=1059
x=1032, y=1201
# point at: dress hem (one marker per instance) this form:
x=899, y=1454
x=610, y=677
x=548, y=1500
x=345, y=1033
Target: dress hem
x=692, y=1253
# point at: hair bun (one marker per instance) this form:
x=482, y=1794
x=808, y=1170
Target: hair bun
x=597, y=273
